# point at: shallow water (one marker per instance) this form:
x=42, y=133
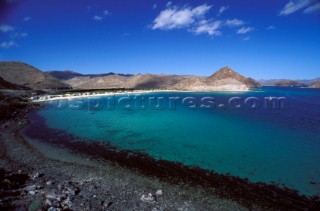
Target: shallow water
x=261, y=144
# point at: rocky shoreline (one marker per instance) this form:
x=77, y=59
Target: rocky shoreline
x=225, y=186
x=32, y=181
x=92, y=177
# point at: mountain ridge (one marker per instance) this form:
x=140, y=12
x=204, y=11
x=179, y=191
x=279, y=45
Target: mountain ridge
x=225, y=79
x=272, y=82
x=219, y=81
x=69, y=74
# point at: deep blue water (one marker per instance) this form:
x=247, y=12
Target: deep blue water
x=279, y=144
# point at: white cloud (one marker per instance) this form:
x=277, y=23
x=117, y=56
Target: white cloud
x=293, y=6
x=5, y=28
x=234, y=22
x=312, y=8
x=169, y=3
x=8, y=44
x=246, y=38
x=210, y=28
x=194, y=20
x=97, y=18
x=27, y=18
x=271, y=28
x=245, y=30
x=222, y=9
x=201, y=10
x=106, y=12
x=172, y=18
x=154, y=6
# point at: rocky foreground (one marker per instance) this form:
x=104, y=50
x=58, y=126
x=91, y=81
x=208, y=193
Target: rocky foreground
x=56, y=179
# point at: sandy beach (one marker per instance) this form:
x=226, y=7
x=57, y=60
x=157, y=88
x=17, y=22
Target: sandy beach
x=47, y=98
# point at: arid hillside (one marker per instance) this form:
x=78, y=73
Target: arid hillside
x=22, y=74
x=315, y=84
x=223, y=80
x=19, y=75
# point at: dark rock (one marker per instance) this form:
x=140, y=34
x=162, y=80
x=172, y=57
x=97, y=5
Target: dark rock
x=107, y=204
x=95, y=202
x=66, y=203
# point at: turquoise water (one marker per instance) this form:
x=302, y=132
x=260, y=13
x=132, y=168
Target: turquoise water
x=268, y=145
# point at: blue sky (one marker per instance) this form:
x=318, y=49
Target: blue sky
x=260, y=39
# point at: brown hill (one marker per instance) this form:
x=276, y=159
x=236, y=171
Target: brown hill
x=150, y=81
x=227, y=72
x=26, y=75
x=315, y=84
x=98, y=82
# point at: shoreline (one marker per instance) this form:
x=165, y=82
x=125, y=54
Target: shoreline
x=227, y=187
x=48, y=98
x=88, y=184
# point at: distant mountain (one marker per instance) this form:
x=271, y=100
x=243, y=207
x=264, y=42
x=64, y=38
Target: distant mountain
x=98, y=82
x=7, y=85
x=272, y=82
x=22, y=74
x=64, y=75
x=288, y=83
x=315, y=84
x=68, y=74
x=107, y=74
x=223, y=80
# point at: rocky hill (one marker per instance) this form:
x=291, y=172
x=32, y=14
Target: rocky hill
x=315, y=84
x=22, y=74
x=226, y=76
